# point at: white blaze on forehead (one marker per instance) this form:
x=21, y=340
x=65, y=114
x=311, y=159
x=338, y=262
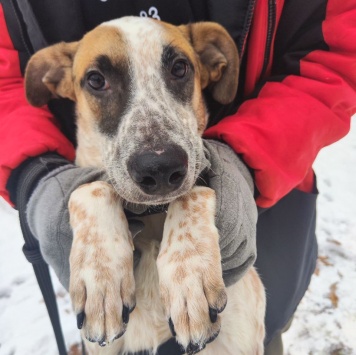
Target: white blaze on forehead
x=144, y=40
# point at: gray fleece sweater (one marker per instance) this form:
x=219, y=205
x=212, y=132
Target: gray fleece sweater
x=236, y=213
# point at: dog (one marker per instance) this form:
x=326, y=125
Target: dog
x=137, y=84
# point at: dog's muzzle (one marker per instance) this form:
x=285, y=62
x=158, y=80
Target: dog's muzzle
x=159, y=172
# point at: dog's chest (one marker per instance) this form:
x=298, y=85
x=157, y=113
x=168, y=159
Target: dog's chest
x=148, y=325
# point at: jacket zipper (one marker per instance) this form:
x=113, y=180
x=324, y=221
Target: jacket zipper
x=246, y=28
x=270, y=31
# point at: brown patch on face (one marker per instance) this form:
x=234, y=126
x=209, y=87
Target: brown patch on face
x=179, y=40
x=200, y=109
x=96, y=43
x=103, y=51
x=198, y=102
x=174, y=36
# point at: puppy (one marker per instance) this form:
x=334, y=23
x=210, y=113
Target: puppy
x=137, y=84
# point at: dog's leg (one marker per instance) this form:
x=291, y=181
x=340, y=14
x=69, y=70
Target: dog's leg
x=189, y=267
x=242, y=322
x=102, y=285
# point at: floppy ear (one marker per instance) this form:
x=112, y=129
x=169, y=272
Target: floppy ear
x=49, y=74
x=218, y=57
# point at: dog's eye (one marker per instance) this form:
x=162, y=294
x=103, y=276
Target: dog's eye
x=179, y=69
x=96, y=81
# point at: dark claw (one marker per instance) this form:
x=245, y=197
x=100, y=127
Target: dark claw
x=171, y=326
x=213, y=337
x=125, y=314
x=80, y=319
x=102, y=342
x=213, y=314
x=222, y=308
x=91, y=340
x=132, y=308
x=120, y=334
x=194, y=348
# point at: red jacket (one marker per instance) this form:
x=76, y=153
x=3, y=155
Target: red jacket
x=300, y=92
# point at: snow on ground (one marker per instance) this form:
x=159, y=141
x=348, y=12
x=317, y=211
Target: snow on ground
x=325, y=322
x=25, y=328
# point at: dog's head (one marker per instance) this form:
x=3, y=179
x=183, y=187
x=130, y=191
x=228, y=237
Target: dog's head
x=137, y=84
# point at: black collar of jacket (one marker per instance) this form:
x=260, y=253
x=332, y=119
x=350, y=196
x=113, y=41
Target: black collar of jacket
x=49, y=22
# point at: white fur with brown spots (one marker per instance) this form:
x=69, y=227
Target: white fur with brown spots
x=143, y=107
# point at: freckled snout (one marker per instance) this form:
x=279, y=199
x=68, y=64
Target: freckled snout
x=159, y=172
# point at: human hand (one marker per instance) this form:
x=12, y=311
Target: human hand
x=48, y=216
x=236, y=211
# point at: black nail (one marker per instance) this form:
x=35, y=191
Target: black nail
x=125, y=314
x=120, y=334
x=171, y=326
x=213, y=314
x=91, y=339
x=80, y=319
x=182, y=349
x=222, y=308
x=193, y=348
x=102, y=342
x=199, y=349
x=132, y=308
x=213, y=337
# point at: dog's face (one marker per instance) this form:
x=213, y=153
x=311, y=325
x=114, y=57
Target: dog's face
x=137, y=84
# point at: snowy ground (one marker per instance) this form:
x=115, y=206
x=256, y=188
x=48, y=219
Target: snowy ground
x=325, y=322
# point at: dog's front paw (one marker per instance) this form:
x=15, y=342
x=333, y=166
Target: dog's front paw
x=102, y=286
x=192, y=301
x=190, y=274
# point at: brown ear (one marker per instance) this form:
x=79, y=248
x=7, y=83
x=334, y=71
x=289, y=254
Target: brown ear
x=219, y=59
x=49, y=74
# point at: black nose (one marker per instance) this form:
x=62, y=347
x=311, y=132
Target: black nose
x=159, y=172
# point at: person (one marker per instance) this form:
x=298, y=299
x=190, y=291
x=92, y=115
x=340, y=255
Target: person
x=297, y=93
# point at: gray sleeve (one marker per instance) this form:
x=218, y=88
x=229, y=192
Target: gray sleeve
x=48, y=217
x=236, y=211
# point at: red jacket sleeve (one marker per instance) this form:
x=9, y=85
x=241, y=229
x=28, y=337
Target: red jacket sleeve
x=25, y=131
x=280, y=132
